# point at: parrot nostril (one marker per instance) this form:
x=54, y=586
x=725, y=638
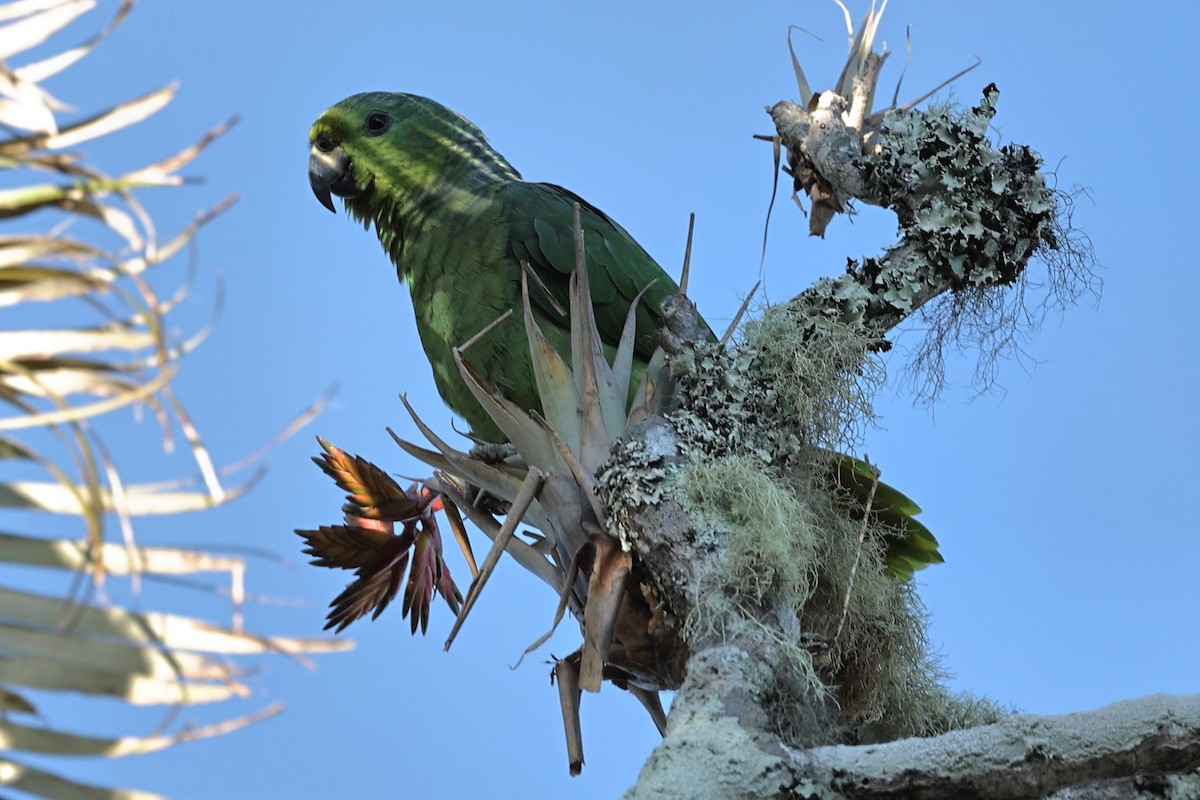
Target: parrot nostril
x=324, y=144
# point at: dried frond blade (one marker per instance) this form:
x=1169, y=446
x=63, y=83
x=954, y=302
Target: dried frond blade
x=61, y=378
x=20, y=250
x=52, y=786
x=22, y=8
x=176, y=243
x=290, y=429
x=13, y=702
x=162, y=172
x=140, y=499
x=132, y=394
x=30, y=113
x=145, y=660
x=75, y=555
x=52, y=674
x=42, y=616
x=25, y=34
x=45, y=284
x=106, y=122
x=40, y=70
x=45, y=740
x=26, y=199
x=46, y=344
x=116, y=220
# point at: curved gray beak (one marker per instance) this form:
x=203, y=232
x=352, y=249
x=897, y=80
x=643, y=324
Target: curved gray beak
x=330, y=172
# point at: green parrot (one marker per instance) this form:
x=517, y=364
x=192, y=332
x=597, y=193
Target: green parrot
x=457, y=221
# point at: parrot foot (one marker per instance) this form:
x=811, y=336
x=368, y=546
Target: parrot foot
x=490, y=503
x=490, y=453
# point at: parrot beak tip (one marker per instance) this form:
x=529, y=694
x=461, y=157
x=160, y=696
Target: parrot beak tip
x=320, y=188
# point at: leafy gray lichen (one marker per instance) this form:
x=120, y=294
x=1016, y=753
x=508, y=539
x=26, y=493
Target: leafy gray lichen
x=974, y=219
x=971, y=217
x=632, y=477
x=974, y=214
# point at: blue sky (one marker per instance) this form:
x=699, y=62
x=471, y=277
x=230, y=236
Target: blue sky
x=1063, y=498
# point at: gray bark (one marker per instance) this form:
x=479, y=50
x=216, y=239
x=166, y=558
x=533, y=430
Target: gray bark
x=1147, y=747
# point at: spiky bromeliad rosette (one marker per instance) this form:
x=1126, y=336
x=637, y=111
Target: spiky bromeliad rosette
x=548, y=480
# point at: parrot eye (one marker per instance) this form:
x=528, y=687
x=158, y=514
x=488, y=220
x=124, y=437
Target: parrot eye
x=377, y=122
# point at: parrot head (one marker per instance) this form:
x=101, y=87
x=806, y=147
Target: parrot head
x=387, y=152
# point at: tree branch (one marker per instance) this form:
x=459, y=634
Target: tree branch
x=970, y=216
x=715, y=747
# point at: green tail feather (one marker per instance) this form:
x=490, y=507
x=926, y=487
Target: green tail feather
x=910, y=545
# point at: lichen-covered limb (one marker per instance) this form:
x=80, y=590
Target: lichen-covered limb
x=737, y=718
x=715, y=747
x=1025, y=755
x=971, y=216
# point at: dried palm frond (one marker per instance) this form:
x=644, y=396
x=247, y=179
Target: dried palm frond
x=87, y=335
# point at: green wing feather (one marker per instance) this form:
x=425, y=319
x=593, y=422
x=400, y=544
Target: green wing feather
x=539, y=218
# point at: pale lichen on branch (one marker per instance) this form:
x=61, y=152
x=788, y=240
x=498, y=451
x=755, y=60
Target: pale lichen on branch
x=970, y=216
